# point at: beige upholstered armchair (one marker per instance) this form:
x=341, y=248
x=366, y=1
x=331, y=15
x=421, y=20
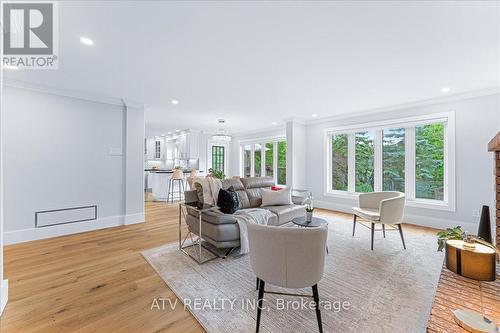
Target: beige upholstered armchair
x=289, y=258
x=385, y=208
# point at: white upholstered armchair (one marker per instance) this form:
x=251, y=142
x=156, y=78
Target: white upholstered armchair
x=381, y=208
x=289, y=258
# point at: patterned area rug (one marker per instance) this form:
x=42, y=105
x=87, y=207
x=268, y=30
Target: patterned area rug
x=385, y=290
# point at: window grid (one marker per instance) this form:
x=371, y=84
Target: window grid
x=409, y=169
x=218, y=157
x=264, y=158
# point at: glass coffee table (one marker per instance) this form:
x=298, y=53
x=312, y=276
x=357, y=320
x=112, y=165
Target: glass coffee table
x=314, y=223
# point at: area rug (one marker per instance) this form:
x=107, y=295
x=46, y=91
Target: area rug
x=385, y=290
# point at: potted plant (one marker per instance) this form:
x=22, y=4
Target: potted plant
x=450, y=233
x=216, y=174
x=309, y=208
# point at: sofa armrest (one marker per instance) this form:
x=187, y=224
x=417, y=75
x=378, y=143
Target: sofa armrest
x=298, y=200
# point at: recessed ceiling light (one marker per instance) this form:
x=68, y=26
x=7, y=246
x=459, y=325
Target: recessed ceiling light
x=314, y=115
x=169, y=133
x=174, y=102
x=163, y=135
x=10, y=67
x=274, y=123
x=86, y=41
x=445, y=90
x=177, y=130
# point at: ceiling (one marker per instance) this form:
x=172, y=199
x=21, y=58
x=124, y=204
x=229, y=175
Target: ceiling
x=254, y=63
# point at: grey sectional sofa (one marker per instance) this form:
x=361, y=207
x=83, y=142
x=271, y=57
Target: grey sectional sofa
x=222, y=230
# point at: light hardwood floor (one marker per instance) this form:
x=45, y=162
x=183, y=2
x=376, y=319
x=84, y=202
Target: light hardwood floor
x=96, y=281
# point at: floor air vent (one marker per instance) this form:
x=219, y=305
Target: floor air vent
x=47, y=218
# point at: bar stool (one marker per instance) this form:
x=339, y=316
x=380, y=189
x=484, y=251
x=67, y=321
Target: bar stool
x=177, y=178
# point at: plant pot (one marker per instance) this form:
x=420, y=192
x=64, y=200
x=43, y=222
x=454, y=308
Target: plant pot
x=309, y=216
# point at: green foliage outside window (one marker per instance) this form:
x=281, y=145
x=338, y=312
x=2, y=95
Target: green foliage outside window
x=339, y=162
x=429, y=161
x=393, y=159
x=282, y=162
x=364, y=161
x=269, y=156
x=257, y=159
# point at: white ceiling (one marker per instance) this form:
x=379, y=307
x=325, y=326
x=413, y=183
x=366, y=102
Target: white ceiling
x=258, y=62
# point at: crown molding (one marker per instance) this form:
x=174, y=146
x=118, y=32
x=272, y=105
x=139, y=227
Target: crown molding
x=260, y=130
x=410, y=105
x=70, y=93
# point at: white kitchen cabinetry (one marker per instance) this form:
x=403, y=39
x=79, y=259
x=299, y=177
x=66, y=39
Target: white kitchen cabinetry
x=189, y=145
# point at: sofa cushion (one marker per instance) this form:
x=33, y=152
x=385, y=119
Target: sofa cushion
x=257, y=182
x=238, y=187
x=227, y=200
x=286, y=213
x=254, y=186
x=277, y=198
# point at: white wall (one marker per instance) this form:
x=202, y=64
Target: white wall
x=63, y=152
x=476, y=123
x=296, y=155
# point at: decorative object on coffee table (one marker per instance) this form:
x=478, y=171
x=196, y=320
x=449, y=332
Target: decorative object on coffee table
x=309, y=208
x=484, y=230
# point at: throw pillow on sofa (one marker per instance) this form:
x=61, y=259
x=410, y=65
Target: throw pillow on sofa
x=227, y=201
x=276, y=198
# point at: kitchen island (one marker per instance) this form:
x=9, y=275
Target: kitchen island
x=158, y=181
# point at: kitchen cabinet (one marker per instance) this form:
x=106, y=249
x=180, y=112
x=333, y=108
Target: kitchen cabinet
x=188, y=145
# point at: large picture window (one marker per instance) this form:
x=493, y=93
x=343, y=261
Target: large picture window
x=257, y=157
x=269, y=159
x=266, y=157
x=364, y=153
x=429, y=161
x=339, y=162
x=393, y=159
x=247, y=160
x=412, y=155
x=218, y=158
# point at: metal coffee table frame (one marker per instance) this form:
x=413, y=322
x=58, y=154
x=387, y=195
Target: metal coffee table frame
x=198, y=242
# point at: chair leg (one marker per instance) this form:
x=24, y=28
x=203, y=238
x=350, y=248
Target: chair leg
x=259, y=303
x=400, y=227
x=318, y=311
x=373, y=233
x=383, y=229
x=353, y=225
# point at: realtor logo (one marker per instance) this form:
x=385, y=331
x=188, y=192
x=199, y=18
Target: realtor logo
x=30, y=35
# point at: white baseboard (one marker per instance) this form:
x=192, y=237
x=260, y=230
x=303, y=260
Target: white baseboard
x=426, y=221
x=4, y=294
x=26, y=235
x=134, y=218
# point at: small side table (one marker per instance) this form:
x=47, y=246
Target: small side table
x=477, y=264
x=200, y=208
x=314, y=223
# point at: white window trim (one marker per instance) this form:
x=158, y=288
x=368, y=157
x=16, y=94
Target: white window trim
x=409, y=123
x=226, y=154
